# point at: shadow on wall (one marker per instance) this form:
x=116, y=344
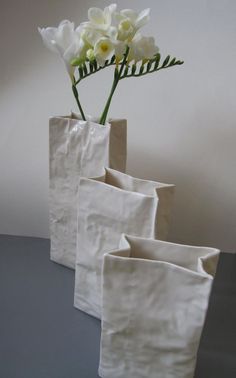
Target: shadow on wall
x=203, y=212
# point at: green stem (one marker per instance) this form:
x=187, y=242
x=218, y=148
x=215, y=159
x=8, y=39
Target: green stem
x=117, y=76
x=76, y=94
x=105, y=111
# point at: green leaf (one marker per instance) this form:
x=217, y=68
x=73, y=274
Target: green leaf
x=172, y=62
x=113, y=59
x=91, y=67
x=141, y=69
x=166, y=61
x=126, y=70
x=85, y=69
x=157, y=61
x=81, y=73
x=76, y=62
x=95, y=65
x=149, y=65
x=133, y=69
x=179, y=62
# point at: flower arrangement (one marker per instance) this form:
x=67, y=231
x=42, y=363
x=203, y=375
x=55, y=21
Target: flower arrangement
x=109, y=38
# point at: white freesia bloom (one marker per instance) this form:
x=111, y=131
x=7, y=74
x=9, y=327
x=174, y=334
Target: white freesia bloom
x=98, y=44
x=129, y=22
x=101, y=20
x=120, y=48
x=89, y=35
x=103, y=50
x=63, y=40
x=142, y=48
x=107, y=35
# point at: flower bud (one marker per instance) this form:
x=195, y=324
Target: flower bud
x=76, y=62
x=90, y=55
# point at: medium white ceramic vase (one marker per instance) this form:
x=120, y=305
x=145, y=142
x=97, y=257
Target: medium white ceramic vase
x=77, y=148
x=154, y=300
x=107, y=207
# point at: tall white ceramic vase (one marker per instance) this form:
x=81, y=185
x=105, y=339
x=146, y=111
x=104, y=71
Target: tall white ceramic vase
x=77, y=148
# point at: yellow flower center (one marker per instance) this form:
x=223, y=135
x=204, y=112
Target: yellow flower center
x=125, y=25
x=104, y=47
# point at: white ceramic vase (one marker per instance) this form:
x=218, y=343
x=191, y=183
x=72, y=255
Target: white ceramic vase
x=77, y=148
x=154, y=300
x=113, y=204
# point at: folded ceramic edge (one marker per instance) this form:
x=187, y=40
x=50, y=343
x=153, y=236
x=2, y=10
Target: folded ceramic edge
x=105, y=171
x=206, y=263
x=89, y=120
x=77, y=117
x=94, y=118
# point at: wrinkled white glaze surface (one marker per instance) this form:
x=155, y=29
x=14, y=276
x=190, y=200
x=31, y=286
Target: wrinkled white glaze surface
x=121, y=203
x=77, y=148
x=155, y=297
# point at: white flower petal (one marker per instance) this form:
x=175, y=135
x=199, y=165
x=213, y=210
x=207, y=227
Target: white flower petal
x=95, y=15
x=91, y=36
x=63, y=40
x=101, y=61
x=137, y=38
x=71, y=52
x=130, y=13
x=118, y=17
x=65, y=34
x=58, y=48
x=142, y=18
x=67, y=23
x=103, y=50
x=48, y=35
x=142, y=48
x=126, y=30
x=112, y=8
x=70, y=69
x=120, y=48
x=107, y=13
x=112, y=32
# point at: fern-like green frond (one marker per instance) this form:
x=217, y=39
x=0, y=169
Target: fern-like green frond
x=152, y=65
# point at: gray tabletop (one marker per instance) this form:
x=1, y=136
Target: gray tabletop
x=43, y=336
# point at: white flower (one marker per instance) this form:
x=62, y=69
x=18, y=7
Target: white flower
x=103, y=50
x=129, y=22
x=89, y=35
x=142, y=48
x=101, y=20
x=120, y=48
x=63, y=40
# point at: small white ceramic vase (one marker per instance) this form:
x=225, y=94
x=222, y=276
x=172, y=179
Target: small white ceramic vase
x=154, y=300
x=107, y=207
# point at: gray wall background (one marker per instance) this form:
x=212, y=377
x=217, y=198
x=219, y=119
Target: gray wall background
x=181, y=121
